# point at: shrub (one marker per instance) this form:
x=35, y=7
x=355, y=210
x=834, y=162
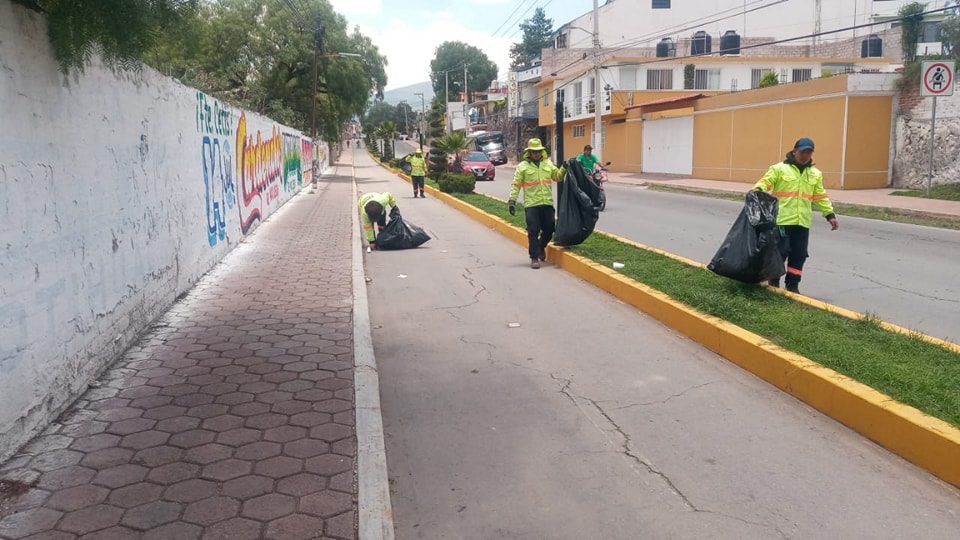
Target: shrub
x=438, y=164
x=395, y=163
x=457, y=183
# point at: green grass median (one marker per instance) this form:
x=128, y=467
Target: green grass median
x=904, y=367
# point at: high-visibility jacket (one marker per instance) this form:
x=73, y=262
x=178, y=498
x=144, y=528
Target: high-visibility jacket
x=385, y=199
x=798, y=192
x=536, y=181
x=418, y=165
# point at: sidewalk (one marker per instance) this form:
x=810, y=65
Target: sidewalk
x=232, y=418
x=523, y=403
x=864, y=197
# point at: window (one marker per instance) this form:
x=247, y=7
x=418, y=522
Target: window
x=546, y=97
x=706, y=79
x=931, y=32
x=661, y=4
x=800, y=75
x=562, y=41
x=628, y=78
x=578, y=131
x=756, y=75
x=659, y=79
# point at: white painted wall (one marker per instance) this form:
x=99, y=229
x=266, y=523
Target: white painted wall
x=119, y=192
x=630, y=20
x=668, y=145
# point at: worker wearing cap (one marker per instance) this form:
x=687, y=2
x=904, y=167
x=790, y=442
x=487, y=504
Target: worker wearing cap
x=373, y=211
x=418, y=169
x=535, y=176
x=798, y=186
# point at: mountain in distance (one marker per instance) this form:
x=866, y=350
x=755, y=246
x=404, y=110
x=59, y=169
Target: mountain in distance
x=408, y=94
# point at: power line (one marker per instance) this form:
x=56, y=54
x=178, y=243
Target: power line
x=505, y=21
x=544, y=6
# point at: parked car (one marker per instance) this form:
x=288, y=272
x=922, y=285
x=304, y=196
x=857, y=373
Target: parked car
x=479, y=164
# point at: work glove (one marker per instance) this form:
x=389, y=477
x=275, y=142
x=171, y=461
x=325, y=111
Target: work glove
x=512, y=207
x=394, y=213
x=834, y=224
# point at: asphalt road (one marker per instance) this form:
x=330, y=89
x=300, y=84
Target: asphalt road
x=905, y=274
x=587, y=419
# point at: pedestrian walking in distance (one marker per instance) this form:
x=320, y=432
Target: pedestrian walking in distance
x=373, y=213
x=535, y=176
x=418, y=169
x=798, y=186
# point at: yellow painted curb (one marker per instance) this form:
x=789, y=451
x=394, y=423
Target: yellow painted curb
x=928, y=442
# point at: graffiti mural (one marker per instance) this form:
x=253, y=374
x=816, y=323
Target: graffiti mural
x=306, y=160
x=260, y=163
x=292, y=178
x=214, y=123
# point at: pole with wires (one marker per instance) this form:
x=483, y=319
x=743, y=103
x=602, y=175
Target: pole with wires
x=446, y=102
x=317, y=47
x=597, y=109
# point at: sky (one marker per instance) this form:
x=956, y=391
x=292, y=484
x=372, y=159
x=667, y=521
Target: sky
x=409, y=31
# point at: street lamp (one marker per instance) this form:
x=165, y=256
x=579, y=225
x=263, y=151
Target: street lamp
x=423, y=112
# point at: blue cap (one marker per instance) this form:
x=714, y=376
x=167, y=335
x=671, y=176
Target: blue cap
x=804, y=144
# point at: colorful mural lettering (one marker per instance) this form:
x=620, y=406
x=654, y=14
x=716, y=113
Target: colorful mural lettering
x=214, y=121
x=259, y=168
x=292, y=179
x=306, y=151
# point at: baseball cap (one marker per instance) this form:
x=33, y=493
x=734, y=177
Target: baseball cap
x=805, y=143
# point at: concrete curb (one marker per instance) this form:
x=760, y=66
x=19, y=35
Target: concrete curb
x=375, y=514
x=928, y=442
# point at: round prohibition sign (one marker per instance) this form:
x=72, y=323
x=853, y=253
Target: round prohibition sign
x=941, y=86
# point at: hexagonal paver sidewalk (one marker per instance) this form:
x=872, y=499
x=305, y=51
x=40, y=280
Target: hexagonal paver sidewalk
x=231, y=418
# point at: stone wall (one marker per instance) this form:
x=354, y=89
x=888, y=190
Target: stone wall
x=912, y=159
x=119, y=191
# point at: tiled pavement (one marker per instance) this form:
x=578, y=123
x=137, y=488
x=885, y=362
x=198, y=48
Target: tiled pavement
x=233, y=416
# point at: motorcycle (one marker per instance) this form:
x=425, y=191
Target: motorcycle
x=599, y=177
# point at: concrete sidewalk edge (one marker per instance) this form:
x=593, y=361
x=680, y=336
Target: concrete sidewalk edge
x=375, y=514
x=926, y=441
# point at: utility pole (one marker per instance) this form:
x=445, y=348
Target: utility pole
x=318, y=35
x=466, y=101
x=597, y=105
x=423, y=117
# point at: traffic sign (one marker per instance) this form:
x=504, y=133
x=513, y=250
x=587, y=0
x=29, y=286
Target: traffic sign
x=937, y=78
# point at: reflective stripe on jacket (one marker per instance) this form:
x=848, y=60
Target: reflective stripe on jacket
x=798, y=192
x=536, y=181
x=385, y=199
x=418, y=166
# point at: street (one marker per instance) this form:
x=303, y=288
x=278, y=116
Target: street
x=905, y=274
x=587, y=419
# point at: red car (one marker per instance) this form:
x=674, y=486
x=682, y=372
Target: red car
x=478, y=164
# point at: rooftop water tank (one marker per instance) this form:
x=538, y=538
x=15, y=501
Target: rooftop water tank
x=730, y=43
x=702, y=43
x=666, y=48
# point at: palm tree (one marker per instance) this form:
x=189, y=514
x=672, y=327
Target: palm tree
x=454, y=144
x=386, y=132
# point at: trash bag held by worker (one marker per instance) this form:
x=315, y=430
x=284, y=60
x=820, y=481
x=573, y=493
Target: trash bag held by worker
x=399, y=234
x=750, y=253
x=578, y=206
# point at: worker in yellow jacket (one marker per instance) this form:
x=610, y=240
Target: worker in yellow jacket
x=798, y=186
x=418, y=170
x=535, y=176
x=373, y=211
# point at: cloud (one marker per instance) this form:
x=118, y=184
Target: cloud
x=410, y=44
x=358, y=7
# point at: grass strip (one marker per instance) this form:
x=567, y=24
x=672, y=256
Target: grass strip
x=904, y=367
x=946, y=192
x=854, y=210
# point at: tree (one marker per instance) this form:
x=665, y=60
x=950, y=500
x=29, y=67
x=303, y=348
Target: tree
x=405, y=116
x=911, y=27
x=689, y=76
x=770, y=79
x=450, y=57
x=537, y=35
x=258, y=54
x=387, y=132
x=951, y=36
x=377, y=114
x=453, y=144
x=436, y=118
x=121, y=31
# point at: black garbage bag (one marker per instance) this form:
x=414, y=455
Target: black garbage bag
x=578, y=206
x=398, y=234
x=750, y=253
